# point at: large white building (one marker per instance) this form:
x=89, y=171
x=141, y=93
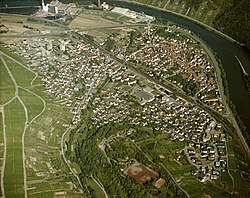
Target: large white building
x=56, y=7
x=53, y=6
x=45, y=7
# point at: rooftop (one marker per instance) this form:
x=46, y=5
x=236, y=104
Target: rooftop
x=63, y=6
x=159, y=183
x=143, y=95
x=54, y=3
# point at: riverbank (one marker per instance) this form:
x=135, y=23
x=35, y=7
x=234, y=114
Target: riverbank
x=187, y=17
x=178, y=7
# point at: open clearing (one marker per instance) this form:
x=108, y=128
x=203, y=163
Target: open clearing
x=90, y=21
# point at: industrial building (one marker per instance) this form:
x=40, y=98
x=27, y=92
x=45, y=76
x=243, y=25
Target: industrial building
x=57, y=7
x=63, y=9
x=53, y=6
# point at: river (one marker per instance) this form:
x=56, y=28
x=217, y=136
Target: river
x=18, y=3
x=225, y=50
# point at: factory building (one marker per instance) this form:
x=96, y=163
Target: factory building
x=53, y=6
x=56, y=7
x=63, y=9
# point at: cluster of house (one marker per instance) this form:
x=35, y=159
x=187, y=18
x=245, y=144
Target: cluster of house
x=71, y=71
x=177, y=59
x=209, y=153
x=168, y=113
x=74, y=72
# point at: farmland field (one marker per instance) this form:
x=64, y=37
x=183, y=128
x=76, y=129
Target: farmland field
x=33, y=127
x=1, y=144
x=7, y=89
x=13, y=177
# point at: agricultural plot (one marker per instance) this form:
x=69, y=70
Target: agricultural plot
x=33, y=104
x=1, y=144
x=13, y=175
x=43, y=156
x=97, y=190
x=22, y=76
x=31, y=115
x=7, y=88
x=14, y=56
x=84, y=21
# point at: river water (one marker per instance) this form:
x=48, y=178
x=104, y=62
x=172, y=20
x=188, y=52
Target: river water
x=19, y=3
x=225, y=50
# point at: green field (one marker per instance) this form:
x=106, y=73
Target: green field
x=15, y=119
x=22, y=76
x=202, y=190
x=13, y=177
x=97, y=190
x=7, y=88
x=2, y=144
x=42, y=137
x=33, y=104
x=12, y=55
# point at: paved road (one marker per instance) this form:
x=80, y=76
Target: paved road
x=64, y=158
x=4, y=154
x=100, y=185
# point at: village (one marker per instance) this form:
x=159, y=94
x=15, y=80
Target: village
x=118, y=99
x=171, y=56
x=80, y=75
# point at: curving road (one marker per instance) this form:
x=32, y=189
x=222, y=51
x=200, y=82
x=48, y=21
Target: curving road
x=100, y=185
x=64, y=158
